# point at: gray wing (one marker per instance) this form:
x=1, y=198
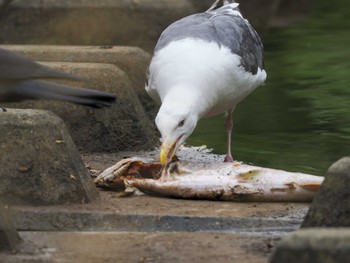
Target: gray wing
x=15, y=91
x=14, y=66
x=223, y=26
x=19, y=80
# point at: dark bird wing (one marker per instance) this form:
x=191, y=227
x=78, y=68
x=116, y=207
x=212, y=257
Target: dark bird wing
x=14, y=66
x=20, y=80
x=15, y=91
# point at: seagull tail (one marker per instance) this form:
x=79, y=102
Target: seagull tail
x=233, y=4
x=213, y=6
x=224, y=2
x=227, y=2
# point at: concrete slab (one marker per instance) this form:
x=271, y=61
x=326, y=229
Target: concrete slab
x=140, y=247
x=145, y=213
x=122, y=22
x=122, y=126
x=90, y=22
x=39, y=162
x=132, y=60
x=314, y=245
x=153, y=229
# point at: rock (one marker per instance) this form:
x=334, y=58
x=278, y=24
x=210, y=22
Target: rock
x=314, y=245
x=39, y=162
x=331, y=206
x=120, y=127
x=133, y=60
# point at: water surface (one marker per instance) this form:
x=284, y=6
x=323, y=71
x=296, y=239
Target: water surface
x=300, y=119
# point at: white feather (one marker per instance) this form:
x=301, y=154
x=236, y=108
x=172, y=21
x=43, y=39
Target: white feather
x=188, y=69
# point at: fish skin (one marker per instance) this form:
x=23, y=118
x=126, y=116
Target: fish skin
x=218, y=181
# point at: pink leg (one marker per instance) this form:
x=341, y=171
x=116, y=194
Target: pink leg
x=228, y=128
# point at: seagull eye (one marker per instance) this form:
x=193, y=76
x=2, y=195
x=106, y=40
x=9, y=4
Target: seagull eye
x=181, y=123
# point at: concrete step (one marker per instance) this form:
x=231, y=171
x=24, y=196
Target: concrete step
x=145, y=213
x=122, y=126
x=132, y=60
x=39, y=162
x=151, y=229
x=106, y=22
x=184, y=247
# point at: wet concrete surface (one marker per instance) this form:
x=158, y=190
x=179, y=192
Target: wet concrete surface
x=145, y=213
x=147, y=247
x=153, y=229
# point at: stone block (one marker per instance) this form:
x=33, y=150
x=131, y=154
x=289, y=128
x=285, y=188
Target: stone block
x=133, y=60
x=90, y=22
x=316, y=245
x=331, y=206
x=39, y=162
x=122, y=126
x=107, y=22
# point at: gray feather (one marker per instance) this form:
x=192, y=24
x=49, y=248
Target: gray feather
x=15, y=91
x=20, y=80
x=221, y=26
x=14, y=66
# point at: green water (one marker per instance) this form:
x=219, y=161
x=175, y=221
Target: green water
x=300, y=120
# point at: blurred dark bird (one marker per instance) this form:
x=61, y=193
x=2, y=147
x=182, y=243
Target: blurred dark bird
x=20, y=80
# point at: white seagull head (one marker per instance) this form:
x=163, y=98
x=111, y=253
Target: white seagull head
x=175, y=125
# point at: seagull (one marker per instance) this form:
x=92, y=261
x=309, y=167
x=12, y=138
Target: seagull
x=203, y=65
x=20, y=79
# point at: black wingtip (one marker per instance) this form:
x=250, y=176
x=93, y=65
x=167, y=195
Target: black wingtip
x=99, y=102
x=40, y=89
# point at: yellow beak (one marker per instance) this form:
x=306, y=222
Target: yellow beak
x=167, y=153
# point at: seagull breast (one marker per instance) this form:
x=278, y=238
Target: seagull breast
x=215, y=58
